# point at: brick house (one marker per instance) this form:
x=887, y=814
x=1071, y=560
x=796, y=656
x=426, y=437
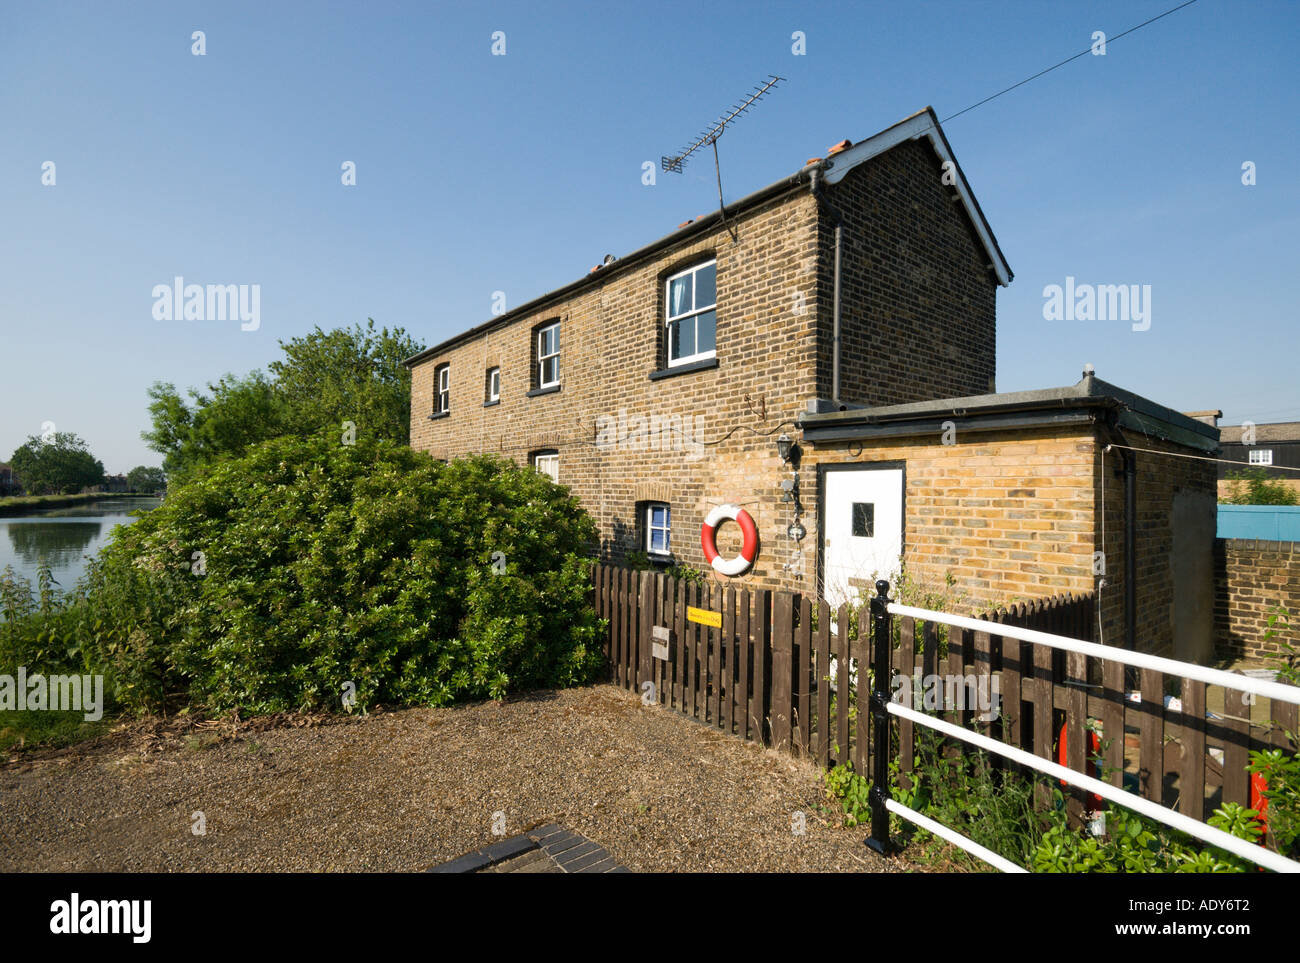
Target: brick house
x=822, y=353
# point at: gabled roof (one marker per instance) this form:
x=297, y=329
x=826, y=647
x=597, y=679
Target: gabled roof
x=923, y=124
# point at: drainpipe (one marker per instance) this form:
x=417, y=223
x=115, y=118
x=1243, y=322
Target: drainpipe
x=815, y=188
x=1129, y=470
x=1130, y=548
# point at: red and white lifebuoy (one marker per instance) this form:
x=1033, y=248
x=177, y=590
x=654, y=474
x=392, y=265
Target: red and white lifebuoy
x=709, y=540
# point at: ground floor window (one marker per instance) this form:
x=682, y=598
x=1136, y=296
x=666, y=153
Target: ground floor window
x=658, y=528
x=548, y=463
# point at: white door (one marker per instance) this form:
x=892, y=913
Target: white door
x=862, y=531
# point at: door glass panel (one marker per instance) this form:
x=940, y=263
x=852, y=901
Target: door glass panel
x=864, y=520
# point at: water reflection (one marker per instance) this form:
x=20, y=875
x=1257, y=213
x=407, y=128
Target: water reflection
x=59, y=543
x=63, y=537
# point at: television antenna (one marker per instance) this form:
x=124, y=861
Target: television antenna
x=709, y=138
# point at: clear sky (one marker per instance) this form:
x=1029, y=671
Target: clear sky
x=478, y=173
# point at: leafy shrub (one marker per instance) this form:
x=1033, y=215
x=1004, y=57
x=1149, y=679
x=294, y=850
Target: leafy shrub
x=1281, y=770
x=1252, y=486
x=1135, y=844
x=850, y=791
x=272, y=579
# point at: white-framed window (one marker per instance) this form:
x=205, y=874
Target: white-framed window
x=691, y=314
x=442, y=389
x=494, y=384
x=548, y=355
x=1261, y=456
x=658, y=529
x=548, y=463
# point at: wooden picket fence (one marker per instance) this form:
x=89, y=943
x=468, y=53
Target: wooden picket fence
x=772, y=672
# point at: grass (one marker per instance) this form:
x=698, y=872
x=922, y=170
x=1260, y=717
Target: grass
x=22, y=731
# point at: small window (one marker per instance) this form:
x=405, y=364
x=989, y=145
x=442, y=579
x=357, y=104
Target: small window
x=442, y=390
x=548, y=355
x=1261, y=456
x=548, y=463
x=493, y=385
x=691, y=314
x=658, y=528
x=864, y=520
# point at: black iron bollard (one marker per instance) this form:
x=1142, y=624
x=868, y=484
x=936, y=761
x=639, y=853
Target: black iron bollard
x=882, y=644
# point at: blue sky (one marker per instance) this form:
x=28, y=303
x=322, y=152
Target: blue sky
x=478, y=173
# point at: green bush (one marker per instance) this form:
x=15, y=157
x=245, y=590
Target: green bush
x=1252, y=486
x=274, y=578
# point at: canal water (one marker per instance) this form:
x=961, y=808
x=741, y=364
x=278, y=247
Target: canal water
x=63, y=537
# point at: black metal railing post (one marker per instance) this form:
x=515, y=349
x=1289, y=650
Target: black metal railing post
x=882, y=644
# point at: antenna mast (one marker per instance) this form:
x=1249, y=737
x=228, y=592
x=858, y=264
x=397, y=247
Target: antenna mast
x=709, y=138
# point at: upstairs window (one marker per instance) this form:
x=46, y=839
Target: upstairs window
x=442, y=389
x=548, y=355
x=658, y=529
x=1261, y=456
x=548, y=463
x=493, y=387
x=691, y=314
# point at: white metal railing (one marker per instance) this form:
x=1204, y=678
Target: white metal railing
x=1271, y=690
x=1193, y=827
x=954, y=837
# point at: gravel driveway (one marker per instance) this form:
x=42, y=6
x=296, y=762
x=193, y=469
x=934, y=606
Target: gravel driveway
x=401, y=791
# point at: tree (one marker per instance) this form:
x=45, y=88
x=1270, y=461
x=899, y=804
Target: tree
x=325, y=379
x=56, y=464
x=143, y=478
x=420, y=582
x=1252, y=486
x=237, y=414
x=357, y=375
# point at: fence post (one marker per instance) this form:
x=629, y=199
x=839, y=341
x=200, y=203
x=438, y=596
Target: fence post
x=882, y=642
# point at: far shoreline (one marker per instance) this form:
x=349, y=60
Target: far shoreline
x=20, y=504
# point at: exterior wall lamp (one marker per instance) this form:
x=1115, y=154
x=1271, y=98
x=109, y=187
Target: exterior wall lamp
x=788, y=450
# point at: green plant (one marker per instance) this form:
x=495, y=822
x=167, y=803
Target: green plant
x=1281, y=771
x=268, y=581
x=640, y=562
x=1287, y=661
x=1134, y=844
x=685, y=573
x=1252, y=486
x=851, y=792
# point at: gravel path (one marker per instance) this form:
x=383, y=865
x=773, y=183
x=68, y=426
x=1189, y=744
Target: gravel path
x=404, y=790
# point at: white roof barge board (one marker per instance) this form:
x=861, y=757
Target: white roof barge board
x=925, y=124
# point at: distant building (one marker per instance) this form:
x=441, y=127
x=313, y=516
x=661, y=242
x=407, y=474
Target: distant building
x=1273, y=448
x=8, y=484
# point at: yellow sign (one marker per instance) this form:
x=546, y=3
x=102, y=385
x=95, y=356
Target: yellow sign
x=704, y=616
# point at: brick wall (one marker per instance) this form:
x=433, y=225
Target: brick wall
x=918, y=300
x=1251, y=579
x=1007, y=514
